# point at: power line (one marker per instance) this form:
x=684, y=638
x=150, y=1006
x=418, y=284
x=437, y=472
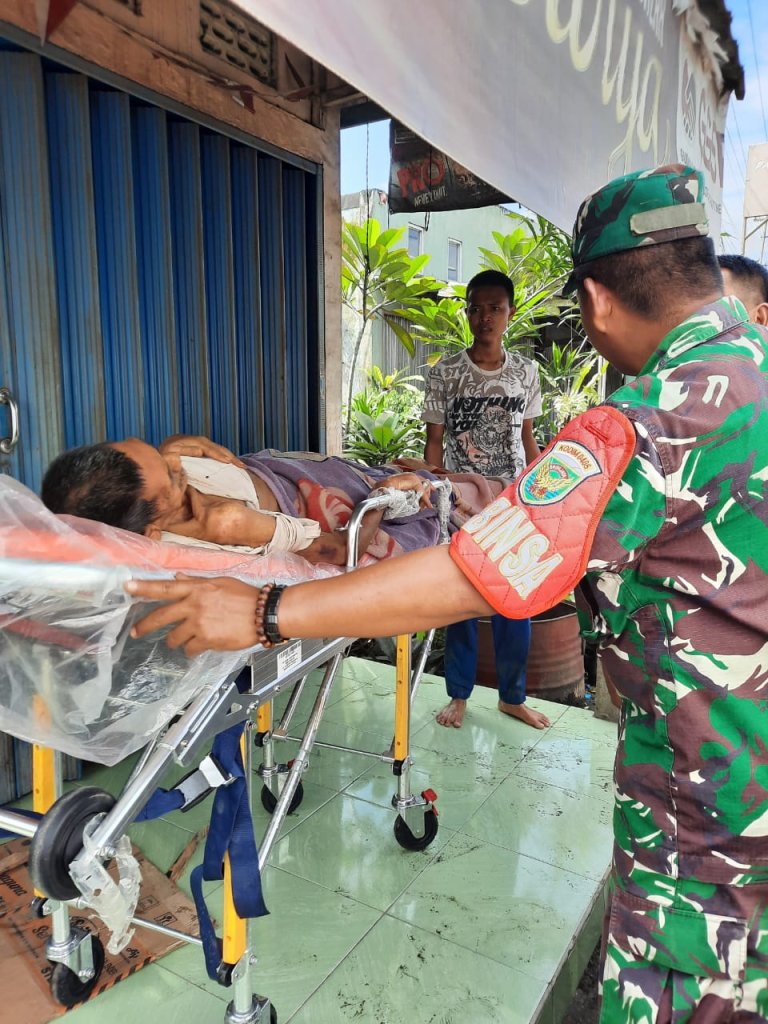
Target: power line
x=727, y=216
x=738, y=132
x=757, y=66
x=741, y=167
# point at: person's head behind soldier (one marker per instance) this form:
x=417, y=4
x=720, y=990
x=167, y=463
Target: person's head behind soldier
x=643, y=261
x=748, y=281
x=128, y=484
x=490, y=305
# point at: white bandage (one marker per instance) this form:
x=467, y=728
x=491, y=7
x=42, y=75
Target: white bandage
x=401, y=503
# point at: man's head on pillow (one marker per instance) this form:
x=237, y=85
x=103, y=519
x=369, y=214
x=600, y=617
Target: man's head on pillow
x=128, y=484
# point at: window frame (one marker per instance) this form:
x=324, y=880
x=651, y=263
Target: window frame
x=459, y=247
x=420, y=233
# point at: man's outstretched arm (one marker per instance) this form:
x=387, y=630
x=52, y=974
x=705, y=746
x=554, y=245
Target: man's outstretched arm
x=413, y=592
x=525, y=551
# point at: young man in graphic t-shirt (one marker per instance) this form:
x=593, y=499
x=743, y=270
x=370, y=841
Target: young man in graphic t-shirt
x=479, y=409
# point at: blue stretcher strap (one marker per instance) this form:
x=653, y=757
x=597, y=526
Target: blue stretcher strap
x=162, y=802
x=231, y=832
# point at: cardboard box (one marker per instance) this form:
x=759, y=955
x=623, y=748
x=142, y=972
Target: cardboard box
x=24, y=969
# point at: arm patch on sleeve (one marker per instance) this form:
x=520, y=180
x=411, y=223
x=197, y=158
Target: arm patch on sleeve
x=529, y=548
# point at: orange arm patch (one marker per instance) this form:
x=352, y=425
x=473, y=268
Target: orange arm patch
x=529, y=548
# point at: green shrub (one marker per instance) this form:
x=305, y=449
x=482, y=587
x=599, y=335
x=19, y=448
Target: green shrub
x=384, y=420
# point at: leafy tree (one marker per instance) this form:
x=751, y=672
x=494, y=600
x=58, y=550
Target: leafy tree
x=570, y=384
x=442, y=322
x=376, y=276
x=536, y=255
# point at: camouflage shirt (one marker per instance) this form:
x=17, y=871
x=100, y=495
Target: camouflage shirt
x=677, y=588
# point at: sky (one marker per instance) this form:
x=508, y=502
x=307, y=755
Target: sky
x=365, y=150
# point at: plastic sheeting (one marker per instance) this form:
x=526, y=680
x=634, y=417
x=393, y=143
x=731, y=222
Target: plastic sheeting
x=72, y=678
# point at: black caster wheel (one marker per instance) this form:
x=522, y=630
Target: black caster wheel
x=66, y=988
x=269, y=800
x=408, y=840
x=59, y=839
x=36, y=907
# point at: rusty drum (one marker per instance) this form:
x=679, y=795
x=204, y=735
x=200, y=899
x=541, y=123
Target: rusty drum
x=555, y=660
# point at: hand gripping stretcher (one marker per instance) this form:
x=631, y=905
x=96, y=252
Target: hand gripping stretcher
x=74, y=681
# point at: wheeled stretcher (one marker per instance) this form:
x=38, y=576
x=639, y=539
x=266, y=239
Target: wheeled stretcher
x=74, y=681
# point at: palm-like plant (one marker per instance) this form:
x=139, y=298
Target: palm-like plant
x=537, y=256
x=385, y=419
x=376, y=276
x=570, y=383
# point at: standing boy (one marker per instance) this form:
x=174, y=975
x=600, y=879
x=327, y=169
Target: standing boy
x=479, y=410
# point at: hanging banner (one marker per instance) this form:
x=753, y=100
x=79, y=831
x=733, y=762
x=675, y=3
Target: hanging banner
x=545, y=100
x=422, y=179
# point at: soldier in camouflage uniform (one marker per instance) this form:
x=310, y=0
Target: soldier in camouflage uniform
x=677, y=580
x=676, y=590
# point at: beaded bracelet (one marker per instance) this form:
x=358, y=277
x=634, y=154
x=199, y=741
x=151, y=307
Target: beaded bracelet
x=267, y=632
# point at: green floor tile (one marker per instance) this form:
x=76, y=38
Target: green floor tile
x=462, y=783
x=548, y=823
x=159, y=841
x=573, y=763
x=487, y=736
x=581, y=723
x=314, y=798
x=349, y=847
x=362, y=930
x=151, y=995
x=499, y=903
x=399, y=973
x=295, y=947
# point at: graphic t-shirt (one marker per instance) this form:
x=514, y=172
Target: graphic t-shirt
x=483, y=412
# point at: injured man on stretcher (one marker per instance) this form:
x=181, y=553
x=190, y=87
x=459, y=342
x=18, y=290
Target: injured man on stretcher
x=193, y=491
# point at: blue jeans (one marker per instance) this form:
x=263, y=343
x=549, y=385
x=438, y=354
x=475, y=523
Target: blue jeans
x=511, y=640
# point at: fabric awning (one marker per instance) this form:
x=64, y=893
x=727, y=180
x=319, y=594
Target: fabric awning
x=544, y=99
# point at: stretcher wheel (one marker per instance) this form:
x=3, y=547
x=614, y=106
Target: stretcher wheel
x=67, y=988
x=269, y=800
x=408, y=840
x=59, y=839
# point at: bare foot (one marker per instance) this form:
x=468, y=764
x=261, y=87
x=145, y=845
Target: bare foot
x=523, y=712
x=452, y=714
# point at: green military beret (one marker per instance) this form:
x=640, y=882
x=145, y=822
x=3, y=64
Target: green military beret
x=644, y=208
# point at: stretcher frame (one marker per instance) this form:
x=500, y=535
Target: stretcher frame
x=71, y=949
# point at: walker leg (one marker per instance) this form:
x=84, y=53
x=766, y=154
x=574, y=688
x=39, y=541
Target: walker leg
x=238, y=953
x=46, y=778
x=299, y=764
x=77, y=954
x=46, y=786
x=273, y=775
x=416, y=821
x=418, y=671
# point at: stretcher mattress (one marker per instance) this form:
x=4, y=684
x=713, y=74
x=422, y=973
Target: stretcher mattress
x=72, y=677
